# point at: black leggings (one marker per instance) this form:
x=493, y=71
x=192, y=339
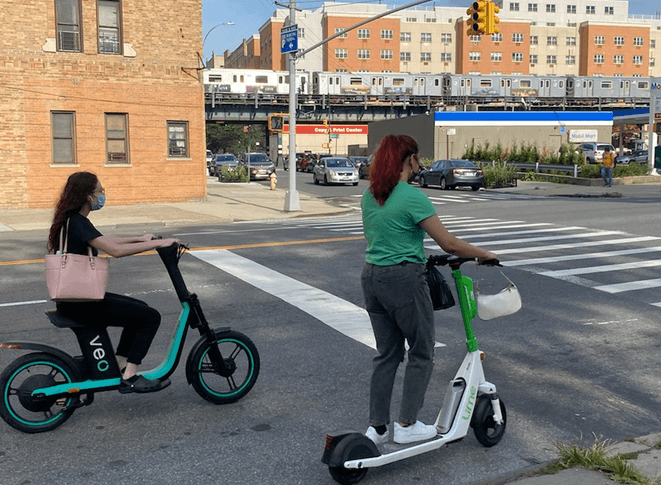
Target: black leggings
x=139, y=320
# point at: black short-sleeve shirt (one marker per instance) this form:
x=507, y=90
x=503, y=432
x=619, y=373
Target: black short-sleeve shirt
x=81, y=232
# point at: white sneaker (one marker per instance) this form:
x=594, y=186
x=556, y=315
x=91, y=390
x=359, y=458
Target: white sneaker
x=378, y=439
x=414, y=432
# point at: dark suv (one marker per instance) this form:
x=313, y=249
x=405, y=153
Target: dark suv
x=261, y=166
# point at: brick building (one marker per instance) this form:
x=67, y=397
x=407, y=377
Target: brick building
x=107, y=86
x=554, y=37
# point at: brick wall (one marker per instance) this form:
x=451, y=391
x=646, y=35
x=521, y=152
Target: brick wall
x=154, y=81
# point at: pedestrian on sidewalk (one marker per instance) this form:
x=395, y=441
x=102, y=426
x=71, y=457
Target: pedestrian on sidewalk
x=396, y=217
x=607, y=169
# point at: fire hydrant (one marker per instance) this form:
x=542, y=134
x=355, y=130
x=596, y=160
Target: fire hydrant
x=274, y=180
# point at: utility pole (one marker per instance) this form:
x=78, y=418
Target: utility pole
x=292, y=198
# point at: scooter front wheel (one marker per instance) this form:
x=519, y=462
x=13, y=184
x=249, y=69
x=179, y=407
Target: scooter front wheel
x=240, y=355
x=486, y=430
x=25, y=412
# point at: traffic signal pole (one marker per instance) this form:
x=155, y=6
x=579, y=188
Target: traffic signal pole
x=292, y=198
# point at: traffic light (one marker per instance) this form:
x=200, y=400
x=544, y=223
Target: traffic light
x=492, y=19
x=326, y=123
x=276, y=123
x=477, y=18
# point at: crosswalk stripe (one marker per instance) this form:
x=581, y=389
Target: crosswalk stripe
x=580, y=257
x=515, y=226
x=601, y=269
x=633, y=285
x=544, y=238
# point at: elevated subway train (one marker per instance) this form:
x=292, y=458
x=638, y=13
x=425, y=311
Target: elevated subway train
x=248, y=81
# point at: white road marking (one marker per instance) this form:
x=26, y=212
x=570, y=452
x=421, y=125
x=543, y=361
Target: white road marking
x=631, y=286
x=19, y=303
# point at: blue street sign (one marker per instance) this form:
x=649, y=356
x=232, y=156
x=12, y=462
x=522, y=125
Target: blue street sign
x=289, y=39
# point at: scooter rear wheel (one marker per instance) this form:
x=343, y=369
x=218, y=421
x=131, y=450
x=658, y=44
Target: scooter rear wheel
x=240, y=355
x=487, y=432
x=29, y=414
x=346, y=476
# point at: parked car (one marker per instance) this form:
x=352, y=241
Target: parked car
x=594, y=152
x=450, y=174
x=639, y=156
x=261, y=166
x=226, y=160
x=332, y=170
x=361, y=165
x=210, y=158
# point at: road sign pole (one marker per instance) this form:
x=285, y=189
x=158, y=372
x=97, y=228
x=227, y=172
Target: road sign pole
x=292, y=198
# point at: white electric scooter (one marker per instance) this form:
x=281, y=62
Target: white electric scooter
x=470, y=401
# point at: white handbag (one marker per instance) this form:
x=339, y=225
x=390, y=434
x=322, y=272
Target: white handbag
x=507, y=302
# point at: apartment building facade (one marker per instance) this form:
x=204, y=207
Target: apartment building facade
x=107, y=86
x=552, y=37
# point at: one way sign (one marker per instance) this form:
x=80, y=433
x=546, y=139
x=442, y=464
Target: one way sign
x=289, y=39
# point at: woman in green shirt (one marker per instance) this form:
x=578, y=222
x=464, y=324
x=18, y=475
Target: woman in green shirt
x=396, y=218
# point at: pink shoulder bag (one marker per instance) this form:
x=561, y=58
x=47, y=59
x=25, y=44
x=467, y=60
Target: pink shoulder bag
x=74, y=277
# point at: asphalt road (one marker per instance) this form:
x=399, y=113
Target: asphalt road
x=577, y=360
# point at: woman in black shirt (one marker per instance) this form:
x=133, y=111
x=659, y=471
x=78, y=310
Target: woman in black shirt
x=83, y=193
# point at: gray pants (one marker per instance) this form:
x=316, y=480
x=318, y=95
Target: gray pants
x=398, y=302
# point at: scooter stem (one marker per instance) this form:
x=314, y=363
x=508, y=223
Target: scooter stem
x=468, y=306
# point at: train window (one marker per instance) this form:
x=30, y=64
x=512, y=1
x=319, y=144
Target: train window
x=234, y=78
x=422, y=82
x=215, y=79
x=561, y=84
x=643, y=85
x=570, y=84
x=280, y=79
x=606, y=84
x=468, y=83
x=261, y=79
x=437, y=82
x=241, y=78
x=485, y=83
x=525, y=83
x=356, y=81
x=398, y=81
x=330, y=81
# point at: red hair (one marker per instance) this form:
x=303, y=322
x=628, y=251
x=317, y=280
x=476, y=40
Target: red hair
x=387, y=164
x=79, y=187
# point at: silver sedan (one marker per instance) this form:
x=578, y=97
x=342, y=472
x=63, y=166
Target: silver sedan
x=335, y=170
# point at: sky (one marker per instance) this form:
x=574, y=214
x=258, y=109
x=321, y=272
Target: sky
x=249, y=15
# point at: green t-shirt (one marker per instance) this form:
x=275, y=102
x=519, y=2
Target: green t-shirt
x=392, y=230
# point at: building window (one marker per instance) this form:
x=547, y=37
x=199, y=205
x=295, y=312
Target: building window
x=534, y=40
x=571, y=24
x=517, y=56
x=571, y=8
x=609, y=11
x=425, y=57
x=425, y=37
x=301, y=33
x=474, y=56
x=637, y=60
x=533, y=58
x=618, y=59
x=386, y=54
x=363, y=53
x=598, y=58
x=67, y=16
x=570, y=60
x=405, y=36
x=343, y=36
x=514, y=6
x=651, y=62
x=110, y=32
x=618, y=40
x=496, y=57
x=363, y=33
x=652, y=43
x=177, y=139
x=474, y=38
x=386, y=34
x=446, y=57
x=532, y=7
x=552, y=40
x=590, y=10
x=550, y=8
x=599, y=40
x=517, y=38
x=638, y=41
x=63, y=126
x=571, y=40
x=341, y=53
x=550, y=24
x=405, y=56
x=117, y=142
x=551, y=60
x=497, y=37
x=446, y=38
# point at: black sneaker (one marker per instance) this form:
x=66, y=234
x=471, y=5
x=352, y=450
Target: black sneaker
x=141, y=384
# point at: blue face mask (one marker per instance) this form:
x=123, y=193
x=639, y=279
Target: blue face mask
x=96, y=204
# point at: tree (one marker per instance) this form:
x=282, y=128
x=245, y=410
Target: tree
x=232, y=139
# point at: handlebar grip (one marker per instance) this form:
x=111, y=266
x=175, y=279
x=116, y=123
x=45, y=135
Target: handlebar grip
x=491, y=262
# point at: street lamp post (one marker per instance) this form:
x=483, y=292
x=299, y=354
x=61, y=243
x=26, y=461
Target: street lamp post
x=211, y=30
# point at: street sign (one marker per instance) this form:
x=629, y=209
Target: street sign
x=334, y=136
x=289, y=39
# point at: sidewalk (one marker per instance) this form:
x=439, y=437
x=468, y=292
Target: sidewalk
x=646, y=457
x=224, y=203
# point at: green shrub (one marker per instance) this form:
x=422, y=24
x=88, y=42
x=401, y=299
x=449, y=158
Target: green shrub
x=631, y=170
x=497, y=173
x=240, y=174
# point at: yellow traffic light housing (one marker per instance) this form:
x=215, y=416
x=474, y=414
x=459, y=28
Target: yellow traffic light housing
x=492, y=19
x=325, y=122
x=276, y=123
x=477, y=18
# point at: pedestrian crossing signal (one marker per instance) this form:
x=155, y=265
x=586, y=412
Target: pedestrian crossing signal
x=276, y=123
